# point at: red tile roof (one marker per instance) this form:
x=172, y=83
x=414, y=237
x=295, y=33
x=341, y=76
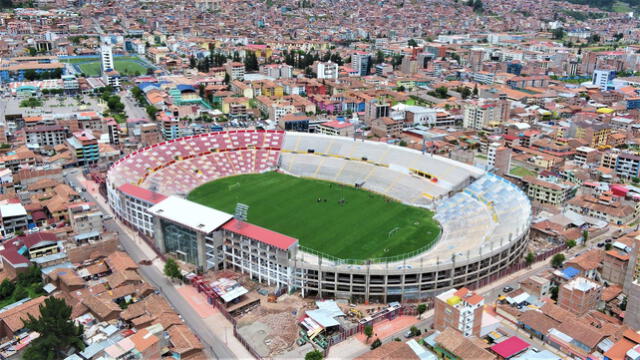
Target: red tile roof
x=141, y=193
x=260, y=234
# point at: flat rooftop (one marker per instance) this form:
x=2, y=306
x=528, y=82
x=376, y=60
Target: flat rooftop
x=197, y=217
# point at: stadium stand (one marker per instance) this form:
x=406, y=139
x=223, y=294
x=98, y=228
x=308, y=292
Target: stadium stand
x=484, y=218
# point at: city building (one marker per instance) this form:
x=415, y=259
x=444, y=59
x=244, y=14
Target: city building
x=499, y=158
x=149, y=134
x=579, y=295
x=627, y=165
x=603, y=79
x=277, y=71
x=326, y=70
x=336, y=128
x=459, y=309
x=84, y=147
x=549, y=191
x=14, y=218
x=235, y=70
x=585, y=155
x=360, y=62
x=46, y=135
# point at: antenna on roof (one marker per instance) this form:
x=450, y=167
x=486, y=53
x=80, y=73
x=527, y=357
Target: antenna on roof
x=242, y=210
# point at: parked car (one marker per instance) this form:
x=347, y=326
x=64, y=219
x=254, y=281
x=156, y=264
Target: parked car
x=407, y=334
x=507, y=289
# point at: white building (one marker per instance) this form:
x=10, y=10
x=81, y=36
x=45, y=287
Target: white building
x=603, y=79
x=106, y=57
x=133, y=203
x=277, y=71
x=417, y=115
x=326, y=70
x=14, y=218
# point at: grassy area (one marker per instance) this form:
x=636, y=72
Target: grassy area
x=358, y=229
x=124, y=64
x=521, y=171
x=621, y=7
x=33, y=291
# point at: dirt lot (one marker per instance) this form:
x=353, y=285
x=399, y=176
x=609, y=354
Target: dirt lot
x=272, y=328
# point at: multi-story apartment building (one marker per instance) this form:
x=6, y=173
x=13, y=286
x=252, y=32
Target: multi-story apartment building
x=277, y=71
x=84, y=147
x=85, y=218
x=460, y=310
x=479, y=115
x=326, y=70
x=585, y=155
x=579, y=295
x=603, y=79
x=235, y=70
x=360, y=62
x=14, y=218
x=549, y=191
x=627, y=165
x=149, y=134
x=595, y=133
x=499, y=158
x=609, y=158
x=46, y=135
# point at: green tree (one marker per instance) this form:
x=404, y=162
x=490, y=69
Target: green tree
x=585, y=236
x=376, y=344
x=152, y=111
x=554, y=293
x=623, y=304
x=530, y=258
x=30, y=75
x=412, y=43
x=557, y=34
x=571, y=243
x=32, y=276
x=442, y=92
x=58, y=333
x=313, y=355
x=465, y=93
x=172, y=270
x=608, y=246
x=368, y=332
x=421, y=309
x=6, y=288
x=20, y=293
x=557, y=260
x=251, y=61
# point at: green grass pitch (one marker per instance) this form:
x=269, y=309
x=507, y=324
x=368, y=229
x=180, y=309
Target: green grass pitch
x=125, y=65
x=366, y=226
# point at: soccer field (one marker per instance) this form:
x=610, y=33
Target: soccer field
x=366, y=226
x=125, y=65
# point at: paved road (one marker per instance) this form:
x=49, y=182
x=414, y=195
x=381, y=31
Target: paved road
x=131, y=108
x=215, y=347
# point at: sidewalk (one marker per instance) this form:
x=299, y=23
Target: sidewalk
x=215, y=321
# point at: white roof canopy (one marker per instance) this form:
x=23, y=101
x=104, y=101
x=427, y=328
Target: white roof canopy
x=197, y=217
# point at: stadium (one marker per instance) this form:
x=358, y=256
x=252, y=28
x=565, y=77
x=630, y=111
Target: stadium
x=479, y=229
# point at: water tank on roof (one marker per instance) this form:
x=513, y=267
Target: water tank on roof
x=453, y=300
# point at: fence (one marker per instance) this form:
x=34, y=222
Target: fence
x=199, y=283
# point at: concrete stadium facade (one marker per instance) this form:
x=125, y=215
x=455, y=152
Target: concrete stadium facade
x=484, y=218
